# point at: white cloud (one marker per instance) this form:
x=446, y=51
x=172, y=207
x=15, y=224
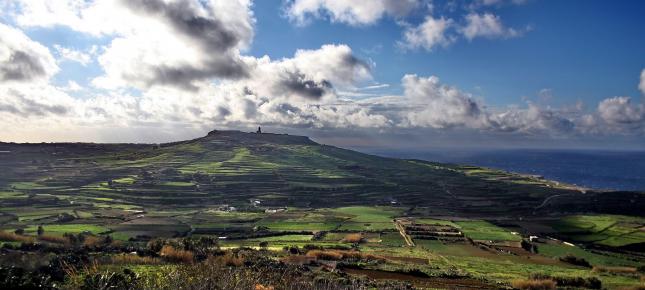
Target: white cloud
x=72, y=86
x=22, y=59
x=156, y=42
x=352, y=12
x=429, y=34
x=312, y=74
x=441, y=106
x=486, y=25
x=82, y=57
x=619, y=110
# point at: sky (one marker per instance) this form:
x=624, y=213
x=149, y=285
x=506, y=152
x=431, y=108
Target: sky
x=381, y=74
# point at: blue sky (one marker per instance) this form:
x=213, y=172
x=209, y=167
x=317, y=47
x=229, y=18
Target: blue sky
x=502, y=72
x=572, y=47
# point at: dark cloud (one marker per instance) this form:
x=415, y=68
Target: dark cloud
x=217, y=42
x=21, y=66
x=182, y=16
x=26, y=107
x=298, y=84
x=183, y=76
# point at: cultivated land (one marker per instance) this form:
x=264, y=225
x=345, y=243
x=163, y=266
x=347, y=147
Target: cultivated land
x=235, y=204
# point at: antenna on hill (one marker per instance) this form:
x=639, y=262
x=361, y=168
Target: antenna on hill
x=259, y=130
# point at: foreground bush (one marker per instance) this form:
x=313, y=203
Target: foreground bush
x=258, y=272
x=531, y=284
x=337, y=255
x=13, y=237
x=170, y=253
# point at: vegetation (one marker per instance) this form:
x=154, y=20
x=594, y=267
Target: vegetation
x=264, y=211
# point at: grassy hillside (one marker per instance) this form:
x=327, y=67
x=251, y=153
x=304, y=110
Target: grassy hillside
x=234, y=168
x=245, y=206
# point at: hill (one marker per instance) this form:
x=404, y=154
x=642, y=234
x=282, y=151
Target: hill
x=239, y=169
x=236, y=210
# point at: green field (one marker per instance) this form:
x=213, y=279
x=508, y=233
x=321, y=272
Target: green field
x=68, y=228
x=608, y=230
x=482, y=230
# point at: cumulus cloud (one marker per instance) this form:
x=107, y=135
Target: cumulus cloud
x=310, y=74
x=22, y=59
x=442, y=106
x=486, y=25
x=353, y=12
x=619, y=110
x=430, y=33
x=179, y=43
x=155, y=42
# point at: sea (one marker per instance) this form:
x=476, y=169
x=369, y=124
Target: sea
x=596, y=169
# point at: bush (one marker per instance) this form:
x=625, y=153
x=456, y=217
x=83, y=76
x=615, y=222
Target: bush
x=130, y=259
x=354, y=238
x=579, y=282
x=573, y=260
x=229, y=259
x=111, y=280
x=13, y=237
x=337, y=255
x=531, y=284
x=53, y=239
x=174, y=255
x=18, y=278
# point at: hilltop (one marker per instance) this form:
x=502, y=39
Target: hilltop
x=237, y=168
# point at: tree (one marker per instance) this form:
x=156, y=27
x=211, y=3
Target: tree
x=264, y=245
x=40, y=230
x=19, y=231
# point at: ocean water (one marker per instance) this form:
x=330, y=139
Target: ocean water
x=617, y=170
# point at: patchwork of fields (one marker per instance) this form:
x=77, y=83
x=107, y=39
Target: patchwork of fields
x=295, y=201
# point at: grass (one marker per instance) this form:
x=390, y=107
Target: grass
x=60, y=229
x=483, y=230
x=608, y=230
x=368, y=218
x=551, y=250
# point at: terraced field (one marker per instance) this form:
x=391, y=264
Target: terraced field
x=300, y=202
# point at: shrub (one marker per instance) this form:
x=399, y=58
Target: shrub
x=573, y=260
x=53, y=239
x=130, y=259
x=91, y=241
x=111, y=280
x=579, y=282
x=336, y=255
x=531, y=284
x=18, y=278
x=172, y=254
x=354, y=238
x=13, y=237
x=230, y=259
